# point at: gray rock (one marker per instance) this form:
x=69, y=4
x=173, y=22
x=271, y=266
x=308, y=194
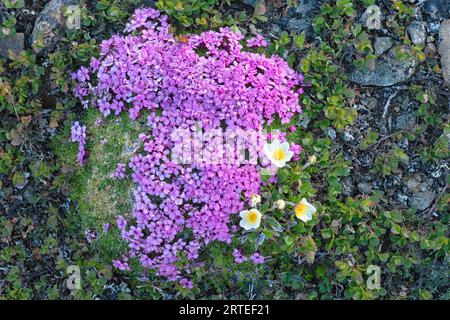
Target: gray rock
x=417, y=32
x=50, y=25
x=371, y=18
x=388, y=71
x=300, y=18
x=382, y=44
x=430, y=50
x=14, y=43
x=405, y=121
x=444, y=49
x=364, y=188
x=421, y=200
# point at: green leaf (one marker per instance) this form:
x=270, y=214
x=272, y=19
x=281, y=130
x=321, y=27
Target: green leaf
x=299, y=40
x=326, y=233
x=102, y=5
x=289, y=240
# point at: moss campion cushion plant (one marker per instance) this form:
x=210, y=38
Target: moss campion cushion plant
x=207, y=82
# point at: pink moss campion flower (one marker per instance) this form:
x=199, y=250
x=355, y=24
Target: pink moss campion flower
x=239, y=257
x=257, y=258
x=257, y=41
x=206, y=81
x=124, y=266
x=94, y=64
x=78, y=134
x=119, y=173
x=296, y=149
x=186, y=283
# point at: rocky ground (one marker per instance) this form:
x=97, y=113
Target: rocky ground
x=406, y=161
x=386, y=102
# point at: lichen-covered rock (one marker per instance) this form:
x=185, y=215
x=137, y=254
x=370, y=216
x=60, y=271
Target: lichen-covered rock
x=13, y=43
x=421, y=200
x=388, y=70
x=444, y=49
x=436, y=8
x=371, y=18
x=417, y=32
x=382, y=44
x=303, y=15
x=50, y=25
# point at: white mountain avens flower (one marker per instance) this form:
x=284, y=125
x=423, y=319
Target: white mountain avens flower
x=278, y=153
x=251, y=219
x=304, y=210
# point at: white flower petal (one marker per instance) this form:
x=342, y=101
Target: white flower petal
x=285, y=146
x=289, y=155
x=311, y=208
x=279, y=164
x=275, y=144
x=248, y=226
x=243, y=213
x=304, y=218
x=268, y=150
x=244, y=224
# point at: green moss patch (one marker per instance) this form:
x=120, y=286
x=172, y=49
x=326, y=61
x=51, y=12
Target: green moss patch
x=99, y=198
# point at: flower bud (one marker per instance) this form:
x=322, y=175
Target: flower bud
x=280, y=204
x=255, y=199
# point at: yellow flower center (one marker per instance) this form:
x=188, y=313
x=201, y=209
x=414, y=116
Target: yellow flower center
x=252, y=217
x=279, y=154
x=300, y=209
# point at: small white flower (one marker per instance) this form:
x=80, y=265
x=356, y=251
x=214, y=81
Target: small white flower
x=255, y=199
x=304, y=210
x=278, y=153
x=280, y=204
x=251, y=219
